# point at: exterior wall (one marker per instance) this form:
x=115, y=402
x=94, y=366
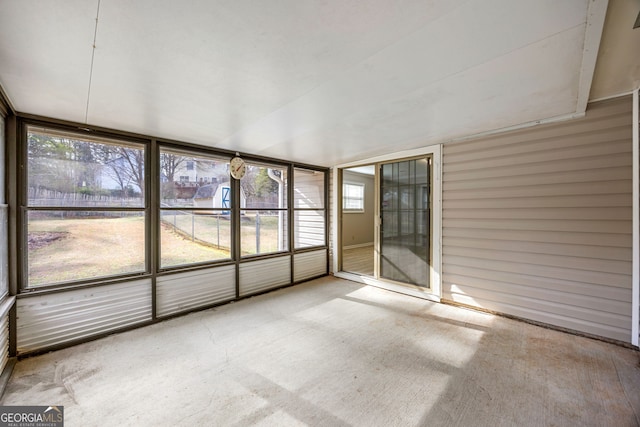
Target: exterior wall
x=537, y=223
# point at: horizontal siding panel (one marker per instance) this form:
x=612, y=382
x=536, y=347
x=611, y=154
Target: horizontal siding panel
x=584, y=251
x=590, y=239
x=48, y=320
x=455, y=274
x=309, y=189
x=309, y=228
x=601, y=149
x=592, y=188
x=559, y=201
x=187, y=291
x=584, y=142
x=620, y=280
x=555, y=317
x=619, y=160
x=566, y=177
x=537, y=222
x=259, y=276
x=607, y=312
x=307, y=265
x=585, y=226
x=616, y=213
x=575, y=263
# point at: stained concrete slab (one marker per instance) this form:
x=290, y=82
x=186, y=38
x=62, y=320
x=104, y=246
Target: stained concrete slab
x=335, y=353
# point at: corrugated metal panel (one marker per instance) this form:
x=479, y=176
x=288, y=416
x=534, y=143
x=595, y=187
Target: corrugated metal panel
x=537, y=222
x=309, y=264
x=48, y=320
x=258, y=276
x=187, y=291
x=4, y=341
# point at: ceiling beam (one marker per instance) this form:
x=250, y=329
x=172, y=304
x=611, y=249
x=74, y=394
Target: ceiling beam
x=593, y=33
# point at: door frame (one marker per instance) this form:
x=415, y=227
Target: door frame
x=433, y=293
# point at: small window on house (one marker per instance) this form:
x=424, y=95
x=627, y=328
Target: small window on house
x=353, y=197
x=189, y=166
x=184, y=178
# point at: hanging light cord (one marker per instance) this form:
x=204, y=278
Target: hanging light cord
x=93, y=54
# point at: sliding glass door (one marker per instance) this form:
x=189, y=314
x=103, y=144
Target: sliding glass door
x=404, y=233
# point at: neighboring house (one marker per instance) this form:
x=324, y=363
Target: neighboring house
x=194, y=171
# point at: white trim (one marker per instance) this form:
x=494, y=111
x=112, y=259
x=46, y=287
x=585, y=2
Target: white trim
x=6, y=304
x=635, y=270
x=609, y=97
x=435, y=151
x=436, y=268
x=336, y=205
x=415, y=291
x=593, y=33
x=361, y=186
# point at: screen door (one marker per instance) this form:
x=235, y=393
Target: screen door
x=405, y=221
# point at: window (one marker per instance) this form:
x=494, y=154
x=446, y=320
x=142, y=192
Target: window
x=309, y=208
x=90, y=212
x=353, y=197
x=195, y=220
x=85, y=208
x=264, y=213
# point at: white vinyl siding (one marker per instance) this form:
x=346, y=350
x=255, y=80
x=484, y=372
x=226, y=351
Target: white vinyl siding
x=537, y=222
x=309, y=209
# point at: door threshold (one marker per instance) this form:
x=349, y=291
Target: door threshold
x=411, y=290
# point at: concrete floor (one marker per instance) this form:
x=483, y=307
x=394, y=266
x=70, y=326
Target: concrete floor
x=334, y=353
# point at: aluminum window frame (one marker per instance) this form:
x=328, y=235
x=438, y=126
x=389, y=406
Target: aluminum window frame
x=151, y=205
x=25, y=208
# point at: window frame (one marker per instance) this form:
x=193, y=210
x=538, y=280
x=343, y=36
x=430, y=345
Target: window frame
x=152, y=209
x=361, y=200
x=324, y=209
x=25, y=208
x=191, y=154
x=286, y=209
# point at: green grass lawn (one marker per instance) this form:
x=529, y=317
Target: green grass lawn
x=71, y=249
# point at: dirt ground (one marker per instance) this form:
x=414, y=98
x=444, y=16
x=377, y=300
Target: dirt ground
x=40, y=239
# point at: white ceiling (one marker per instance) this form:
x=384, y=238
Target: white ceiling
x=317, y=81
